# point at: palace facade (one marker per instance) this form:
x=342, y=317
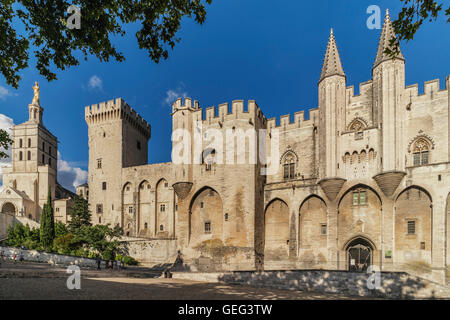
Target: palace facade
x=362, y=180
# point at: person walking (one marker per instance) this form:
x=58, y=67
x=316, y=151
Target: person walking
x=99, y=261
x=118, y=265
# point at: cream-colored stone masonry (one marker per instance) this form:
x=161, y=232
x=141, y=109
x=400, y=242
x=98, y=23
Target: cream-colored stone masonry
x=366, y=172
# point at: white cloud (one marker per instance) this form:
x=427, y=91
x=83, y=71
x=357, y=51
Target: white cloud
x=68, y=176
x=95, y=83
x=6, y=124
x=174, y=94
x=4, y=92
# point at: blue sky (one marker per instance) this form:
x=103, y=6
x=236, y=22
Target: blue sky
x=270, y=51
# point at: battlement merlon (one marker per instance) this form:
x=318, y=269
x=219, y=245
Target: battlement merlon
x=222, y=114
x=178, y=105
x=363, y=88
x=115, y=110
x=285, y=122
x=431, y=89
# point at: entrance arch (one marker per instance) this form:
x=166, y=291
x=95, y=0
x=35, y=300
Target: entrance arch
x=359, y=252
x=9, y=208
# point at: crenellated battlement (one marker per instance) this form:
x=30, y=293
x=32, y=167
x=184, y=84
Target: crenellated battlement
x=178, y=104
x=115, y=110
x=212, y=115
x=431, y=91
x=285, y=122
x=363, y=88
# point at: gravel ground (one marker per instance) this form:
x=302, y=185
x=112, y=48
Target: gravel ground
x=24, y=281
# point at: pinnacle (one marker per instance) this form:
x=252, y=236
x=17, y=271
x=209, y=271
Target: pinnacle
x=387, y=34
x=332, y=62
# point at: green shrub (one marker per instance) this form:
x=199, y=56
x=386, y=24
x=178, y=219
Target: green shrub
x=127, y=260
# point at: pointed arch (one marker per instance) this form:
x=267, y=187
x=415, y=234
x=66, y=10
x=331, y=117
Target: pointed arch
x=276, y=230
x=271, y=201
x=363, y=237
x=163, y=208
x=413, y=218
x=360, y=186
x=205, y=216
x=357, y=125
x=128, y=216
x=144, y=208
x=312, y=230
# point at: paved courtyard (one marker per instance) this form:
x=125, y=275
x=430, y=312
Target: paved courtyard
x=43, y=281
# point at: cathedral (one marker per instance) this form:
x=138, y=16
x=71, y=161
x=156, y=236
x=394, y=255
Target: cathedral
x=32, y=174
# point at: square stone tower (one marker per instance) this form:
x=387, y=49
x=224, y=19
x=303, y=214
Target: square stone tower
x=118, y=138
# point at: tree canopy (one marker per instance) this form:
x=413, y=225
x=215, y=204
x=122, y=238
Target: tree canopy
x=79, y=214
x=412, y=16
x=5, y=142
x=42, y=26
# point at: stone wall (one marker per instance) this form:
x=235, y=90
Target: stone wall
x=153, y=251
x=393, y=285
x=52, y=258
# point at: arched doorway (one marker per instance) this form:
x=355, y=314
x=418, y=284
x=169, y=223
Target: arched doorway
x=359, y=255
x=9, y=208
x=360, y=216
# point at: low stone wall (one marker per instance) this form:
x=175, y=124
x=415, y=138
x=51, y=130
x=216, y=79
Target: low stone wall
x=152, y=251
x=51, y=258
x=393, y=285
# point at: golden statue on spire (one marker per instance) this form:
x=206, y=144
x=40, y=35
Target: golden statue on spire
x=36, y=94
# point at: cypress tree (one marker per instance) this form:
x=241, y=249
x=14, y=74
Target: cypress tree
x=47, y=231
x=80, y=214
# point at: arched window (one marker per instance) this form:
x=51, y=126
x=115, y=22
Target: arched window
x=29, y=155
x=289, y=166
x=20, y=156
x=421, y=152
x=347, y=157
x=357, y=126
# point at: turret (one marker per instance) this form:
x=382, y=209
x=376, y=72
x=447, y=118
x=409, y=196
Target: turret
x=388, y=86
x=332, y=85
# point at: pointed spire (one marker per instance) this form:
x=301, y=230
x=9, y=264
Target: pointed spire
x=332, y=63
x=386, y=35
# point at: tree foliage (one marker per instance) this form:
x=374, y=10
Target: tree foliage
x=86, y=241
x=80, y=214
x=413, y=14
x=47, y=230
x=5, y=142
x=44, y=30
